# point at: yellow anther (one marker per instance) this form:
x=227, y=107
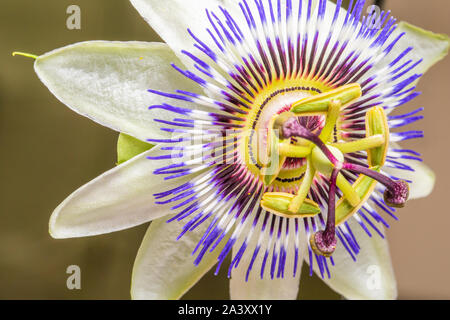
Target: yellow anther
x=320, y=103
x=278, y=204
x=377, y=124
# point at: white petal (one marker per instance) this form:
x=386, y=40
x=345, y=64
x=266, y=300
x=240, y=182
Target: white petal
x=429, y=46
x=423, y=178
x=171, y=19
x=118, y=199
x=265, y=289
x=164, y=268
x=370, y=277
x=108, y=82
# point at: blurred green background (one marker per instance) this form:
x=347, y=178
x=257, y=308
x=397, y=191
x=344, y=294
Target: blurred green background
x=47, y=151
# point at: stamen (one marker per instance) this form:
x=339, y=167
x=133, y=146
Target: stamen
x=397, y=192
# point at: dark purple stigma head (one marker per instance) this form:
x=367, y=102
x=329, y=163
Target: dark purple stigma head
x=323, y=243
x=397, y=194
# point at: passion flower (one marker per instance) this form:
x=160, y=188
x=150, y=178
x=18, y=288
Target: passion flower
x=274, y=142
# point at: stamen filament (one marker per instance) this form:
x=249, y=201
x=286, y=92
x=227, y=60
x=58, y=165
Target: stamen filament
x=348, y=191
x=305, y=185
x=361, y=144
x=332, y=116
